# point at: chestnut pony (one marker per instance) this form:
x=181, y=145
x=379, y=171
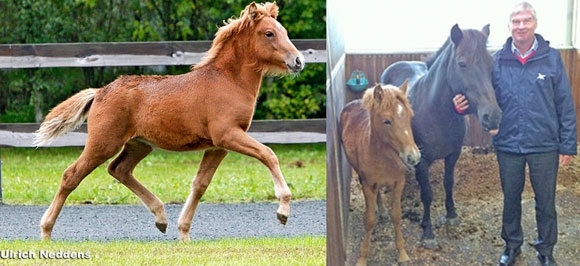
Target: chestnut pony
x=210, y=108
x=378, y=143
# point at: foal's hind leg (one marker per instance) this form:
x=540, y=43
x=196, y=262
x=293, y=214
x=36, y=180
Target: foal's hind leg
x=209, y=163
x=91, y=157
x=370, y=219
x=122, y=169
x=240, y=141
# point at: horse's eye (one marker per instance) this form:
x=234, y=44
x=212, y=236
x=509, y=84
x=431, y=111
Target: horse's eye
x=387, y=122
x=269, y=34
x=462, y=64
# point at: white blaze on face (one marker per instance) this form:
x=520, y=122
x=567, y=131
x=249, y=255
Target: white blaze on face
x=400, y=109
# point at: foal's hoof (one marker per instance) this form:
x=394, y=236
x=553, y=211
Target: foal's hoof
x=282, y=218
x=161, y=226
x=429, y=243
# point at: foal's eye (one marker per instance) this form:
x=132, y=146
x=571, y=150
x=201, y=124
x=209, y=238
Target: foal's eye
x=387, y=122
x=269, y=34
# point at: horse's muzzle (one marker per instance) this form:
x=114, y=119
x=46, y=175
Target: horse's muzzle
x=297, y=65
x=411, y=158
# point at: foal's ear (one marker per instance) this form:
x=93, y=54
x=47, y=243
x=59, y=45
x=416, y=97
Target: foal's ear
x=253, y=11
x=485, y=30
x=456, y=34
x=272, y=8
x=378, y=93
x=404, y=87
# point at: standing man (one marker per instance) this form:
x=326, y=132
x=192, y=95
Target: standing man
x=538, y=129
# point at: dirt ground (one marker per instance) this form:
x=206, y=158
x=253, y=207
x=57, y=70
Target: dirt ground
x=478, y=198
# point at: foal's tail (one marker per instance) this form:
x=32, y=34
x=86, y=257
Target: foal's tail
x=65, y=117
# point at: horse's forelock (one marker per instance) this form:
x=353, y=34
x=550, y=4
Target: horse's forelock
x=390, y=97
x=473, y=41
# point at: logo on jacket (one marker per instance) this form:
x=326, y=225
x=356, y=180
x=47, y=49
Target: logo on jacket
x=541, y=76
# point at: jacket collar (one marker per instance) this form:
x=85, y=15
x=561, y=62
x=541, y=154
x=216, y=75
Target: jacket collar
x=526, y=53
x=542, y=47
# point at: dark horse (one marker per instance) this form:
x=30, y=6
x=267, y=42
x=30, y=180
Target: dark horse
x=462, y=65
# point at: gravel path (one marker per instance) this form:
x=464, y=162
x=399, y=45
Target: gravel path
x=135, y=222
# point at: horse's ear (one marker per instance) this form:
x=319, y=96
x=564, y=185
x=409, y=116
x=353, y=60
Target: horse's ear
x=272, y=9
x=456, y=34
x=378, y=93
x=253, y=11
x=405, y=86
x=485, y=30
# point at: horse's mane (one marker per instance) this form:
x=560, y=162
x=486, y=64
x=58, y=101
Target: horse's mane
x=471, y=38
x=431, y=59
x=233, y=26
x=391, y=96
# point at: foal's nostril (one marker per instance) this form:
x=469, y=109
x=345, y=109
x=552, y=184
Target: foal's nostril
x=298, y=61
x=412, y=159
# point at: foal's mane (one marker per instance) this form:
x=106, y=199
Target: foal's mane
x=233, y=26
x=471, y=40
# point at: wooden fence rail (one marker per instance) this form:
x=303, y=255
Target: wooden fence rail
x=137, y=54
x=144, y=54
x=266, y=131
x=126, y=53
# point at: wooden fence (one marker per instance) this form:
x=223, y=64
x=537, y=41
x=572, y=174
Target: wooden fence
x=140, y=54
x=126, y=53
x=144, y=54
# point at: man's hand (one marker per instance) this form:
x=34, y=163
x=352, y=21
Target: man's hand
x=461, y=104
x=565, y=159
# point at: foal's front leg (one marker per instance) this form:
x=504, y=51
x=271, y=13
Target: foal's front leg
x=209, y=163
x=396, y=215
x=240, y=141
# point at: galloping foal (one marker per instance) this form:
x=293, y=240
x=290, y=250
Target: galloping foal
x=210, y=108
x=378, y=142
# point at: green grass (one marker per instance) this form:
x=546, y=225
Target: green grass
x=31, y=176
x=256, y=251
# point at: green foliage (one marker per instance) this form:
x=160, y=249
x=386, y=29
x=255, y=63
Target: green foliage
x=28, y=94
x=296, y=97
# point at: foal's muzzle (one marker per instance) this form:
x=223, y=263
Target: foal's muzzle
x=297, y=65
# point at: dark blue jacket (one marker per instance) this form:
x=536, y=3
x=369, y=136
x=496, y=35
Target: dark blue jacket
x=536, y=101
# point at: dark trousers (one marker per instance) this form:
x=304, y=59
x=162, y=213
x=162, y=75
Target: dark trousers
x=543, y=171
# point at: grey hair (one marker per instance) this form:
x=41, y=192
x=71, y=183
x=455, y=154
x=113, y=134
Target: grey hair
x=523, y=7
